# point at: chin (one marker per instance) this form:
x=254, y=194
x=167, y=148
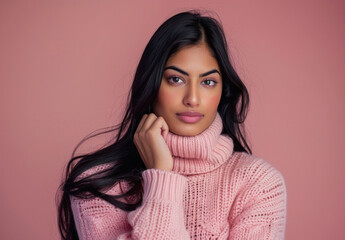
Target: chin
x=186, y=134
x=188, y=131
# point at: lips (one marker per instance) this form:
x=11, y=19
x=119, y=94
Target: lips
x=191, y=114
x=190, y=117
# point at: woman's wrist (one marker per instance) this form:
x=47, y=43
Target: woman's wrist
x=163, y=185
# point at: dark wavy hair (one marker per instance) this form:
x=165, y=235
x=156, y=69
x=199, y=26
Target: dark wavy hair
x=182, y=29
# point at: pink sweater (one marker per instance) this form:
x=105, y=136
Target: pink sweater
x=211, y=193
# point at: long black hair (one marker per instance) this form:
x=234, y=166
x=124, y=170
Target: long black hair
x=182, y=29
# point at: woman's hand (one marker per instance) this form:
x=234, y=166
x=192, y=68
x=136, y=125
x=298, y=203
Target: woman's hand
x=148, y=139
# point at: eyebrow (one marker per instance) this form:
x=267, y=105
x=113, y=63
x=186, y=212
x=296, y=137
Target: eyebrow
x=185, y=73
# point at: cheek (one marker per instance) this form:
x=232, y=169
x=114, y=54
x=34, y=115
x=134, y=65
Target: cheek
x=213, y=101
x=165, y=99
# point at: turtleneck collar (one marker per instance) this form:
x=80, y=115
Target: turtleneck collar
x=201, y=153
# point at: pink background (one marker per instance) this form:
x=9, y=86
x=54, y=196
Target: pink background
x=66, y=68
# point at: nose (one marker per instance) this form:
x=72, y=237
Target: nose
x=192, y=96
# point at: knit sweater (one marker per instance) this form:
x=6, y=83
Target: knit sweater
x=212, y=192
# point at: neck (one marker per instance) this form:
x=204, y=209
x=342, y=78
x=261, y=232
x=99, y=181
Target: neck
x=201, y=153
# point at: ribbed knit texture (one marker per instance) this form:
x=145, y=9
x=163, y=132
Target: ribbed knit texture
x=211, y=193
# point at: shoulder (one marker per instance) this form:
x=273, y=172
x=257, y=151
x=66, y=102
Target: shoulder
x=119, y=187
x=255, y=171
x=94, y=170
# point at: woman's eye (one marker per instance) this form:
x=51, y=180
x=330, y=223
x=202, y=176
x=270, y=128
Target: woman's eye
x=209, y=82
x=174, y=80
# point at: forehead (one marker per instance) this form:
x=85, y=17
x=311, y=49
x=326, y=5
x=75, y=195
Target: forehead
x=194, y=58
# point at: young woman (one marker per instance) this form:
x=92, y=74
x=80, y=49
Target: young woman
x=180, y=167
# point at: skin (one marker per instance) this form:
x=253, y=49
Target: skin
x=180, y=93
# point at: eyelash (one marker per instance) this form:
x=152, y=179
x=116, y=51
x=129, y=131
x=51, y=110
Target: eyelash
x=169, y=81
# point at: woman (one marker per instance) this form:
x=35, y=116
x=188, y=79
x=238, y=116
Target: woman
x=180, y=167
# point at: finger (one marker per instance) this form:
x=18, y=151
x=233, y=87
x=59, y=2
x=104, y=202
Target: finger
x=141, y=123
x=165, y=129
x=148, y=122
x=160, y=124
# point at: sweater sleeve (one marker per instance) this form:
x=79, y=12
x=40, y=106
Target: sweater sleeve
x=160, y=216
x=260, y=210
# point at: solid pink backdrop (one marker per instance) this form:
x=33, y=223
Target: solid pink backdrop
x=66, y=68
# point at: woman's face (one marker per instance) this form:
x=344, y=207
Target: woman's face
x=190, y=90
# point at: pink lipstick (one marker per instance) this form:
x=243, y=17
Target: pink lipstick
x=190, y=117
